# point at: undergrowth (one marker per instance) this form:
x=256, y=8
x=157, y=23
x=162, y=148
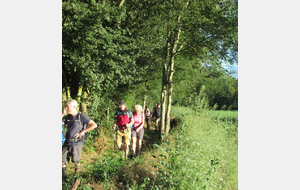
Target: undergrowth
x=201, y=152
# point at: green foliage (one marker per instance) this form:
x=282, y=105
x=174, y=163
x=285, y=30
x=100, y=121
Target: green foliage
x=106, y=167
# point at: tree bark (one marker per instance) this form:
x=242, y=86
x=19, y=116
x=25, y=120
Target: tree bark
x=144, y=103
x=68, y=93
x=121, y=3
x=79, y=96
x=164, y=85
x=170, y=79
x=84, y=103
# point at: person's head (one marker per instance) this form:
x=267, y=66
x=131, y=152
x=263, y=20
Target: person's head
x=71, y=106
x=158, y=105
x=138, y=109
x=147, y=108
x=122, y=105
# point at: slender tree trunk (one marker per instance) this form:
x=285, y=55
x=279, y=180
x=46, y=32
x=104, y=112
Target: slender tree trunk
x=144, y=103
x=79, y=97
x=121, y=3
x=68, y=93
x=164, y=86
x=84, y=103
x=170, y=79
x=64, y=96
x=67, y=85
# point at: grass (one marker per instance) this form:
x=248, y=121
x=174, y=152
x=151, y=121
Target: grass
x=227, y=115
x=201, y=152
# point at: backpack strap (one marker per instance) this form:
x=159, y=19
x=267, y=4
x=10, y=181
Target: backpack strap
x=79, y=120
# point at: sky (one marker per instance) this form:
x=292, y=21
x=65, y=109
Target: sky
x=233, y=67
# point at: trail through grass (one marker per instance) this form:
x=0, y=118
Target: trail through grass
x=201, y=152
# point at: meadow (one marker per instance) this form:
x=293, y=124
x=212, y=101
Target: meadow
x=201, y=152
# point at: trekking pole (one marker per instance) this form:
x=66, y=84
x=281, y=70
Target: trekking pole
x=114, y=138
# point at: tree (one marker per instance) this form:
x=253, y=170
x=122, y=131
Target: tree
x=207, y=29
x=107, y=45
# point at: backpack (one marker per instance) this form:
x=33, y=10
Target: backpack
x=84, y=126
x=85, y=136
x=63, y=134
x=123, y=119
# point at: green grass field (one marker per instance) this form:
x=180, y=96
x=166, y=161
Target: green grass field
x=227, y=115
x=201, y=152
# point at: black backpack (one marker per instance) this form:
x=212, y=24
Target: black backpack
x=84, y=126
x=85, y=136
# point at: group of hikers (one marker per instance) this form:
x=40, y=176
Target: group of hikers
x=128, y=126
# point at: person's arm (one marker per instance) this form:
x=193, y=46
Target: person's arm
x=141, y=125
x=116, y=121
x=131, y=120
x=92, y=124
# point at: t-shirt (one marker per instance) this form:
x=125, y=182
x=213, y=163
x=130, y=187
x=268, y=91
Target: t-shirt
x=148, y=114
x=138, y=120
x=157, y=112
x=121, y=115
x=74, y=127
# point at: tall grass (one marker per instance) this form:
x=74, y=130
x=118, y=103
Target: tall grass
x=201, y=152
x=204, y=152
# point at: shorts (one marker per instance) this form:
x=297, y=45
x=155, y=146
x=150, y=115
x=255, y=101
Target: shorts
x=123, y=136
x=72, y=151
x=139, y=134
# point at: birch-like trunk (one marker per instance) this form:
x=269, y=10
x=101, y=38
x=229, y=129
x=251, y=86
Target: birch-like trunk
x=164, y=87
x=84, y=103
x=79, y=96
x=170, y=79
x=121, y=3
x=68, y=93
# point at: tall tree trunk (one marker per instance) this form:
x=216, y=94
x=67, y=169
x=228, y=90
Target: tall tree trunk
x=170, y=79
x=121, y=3
x=67, y=86
x=79, y=96
x=144, y=103
x=68, y=93
x=64, y=96
x=84, y=103
x=164, y=86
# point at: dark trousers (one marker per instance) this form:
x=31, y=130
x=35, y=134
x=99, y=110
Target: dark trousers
x=148, y=123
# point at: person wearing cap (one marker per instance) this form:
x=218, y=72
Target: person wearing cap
x=157, y=115
x=124, y=120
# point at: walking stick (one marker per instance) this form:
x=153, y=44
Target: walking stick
x=114, y=138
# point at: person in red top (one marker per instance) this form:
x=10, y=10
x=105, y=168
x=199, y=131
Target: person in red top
x=123, y=122
x=138, y=129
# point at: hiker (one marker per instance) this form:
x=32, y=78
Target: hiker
x=156, y=116
x=154, y=108
x=138, y=128
x=74, y=136
x=148, y=115
x=124, y=120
